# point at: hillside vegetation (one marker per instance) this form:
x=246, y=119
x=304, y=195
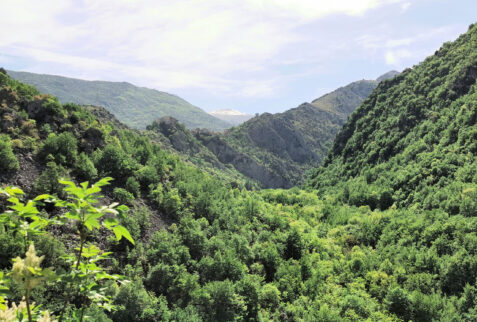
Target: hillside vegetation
x=414, y=136
x=357, y=248
x=132, y=105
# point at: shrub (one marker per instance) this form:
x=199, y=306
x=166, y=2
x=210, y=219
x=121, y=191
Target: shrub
x=47, y=182
x=134, y=303
x=133, y=186
x=52, y=106
x=122, y=195
x=148, y=175
x=85, y=168
x=269, y=296
x=8, y=160
x=115, y=162
x=64, y=147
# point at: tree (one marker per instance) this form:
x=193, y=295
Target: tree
x=398, y=302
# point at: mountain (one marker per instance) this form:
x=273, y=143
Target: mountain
x=387, y=75
x=233, y=117
x=389, y=234
x=175, y=138
x=414, y=138
x=278, y=150
x=135, y=106
x=275, y=150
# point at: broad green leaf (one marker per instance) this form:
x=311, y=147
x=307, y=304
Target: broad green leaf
x=121, y=231
x=103, y=182
x=84, y=185
x=13, y=200
x=110, y=222
x=67, y=183
x=44, y=197
x=91, y=220
x=12, y=191
x=72, y=216
x=93, y=190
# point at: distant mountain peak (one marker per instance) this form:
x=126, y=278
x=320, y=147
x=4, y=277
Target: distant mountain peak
x=231, y=116
x=387, y=75
x=227, y=112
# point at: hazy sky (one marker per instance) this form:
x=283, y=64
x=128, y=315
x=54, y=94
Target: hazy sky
x=250, y=55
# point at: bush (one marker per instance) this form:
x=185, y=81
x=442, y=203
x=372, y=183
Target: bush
x=269, y=296
x=123, y=196
x=64, y=147
x=52, y=106
x=115, y=162
x=172, y=203
x=133, y=186
x=135, y=304
x=148, y=176
x=85, y=168
x=8, y=160
x=47, y=182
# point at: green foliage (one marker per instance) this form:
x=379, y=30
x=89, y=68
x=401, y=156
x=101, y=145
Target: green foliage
x=115, y=161
x=62, y=147
x=390, y=235
x=133, y=186
x=123, y=196
x=48, y=181
x=134, y=303
x=85, y=275
x=85, y=168
x=398, y=302
x=8, y=160
x=410, y=143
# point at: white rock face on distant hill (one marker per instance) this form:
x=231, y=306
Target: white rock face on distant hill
x=233, y=117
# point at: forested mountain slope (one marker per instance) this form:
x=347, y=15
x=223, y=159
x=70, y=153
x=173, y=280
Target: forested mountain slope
x=208, y=251
x=279, y=149
x=415, y=135
x=132, y=105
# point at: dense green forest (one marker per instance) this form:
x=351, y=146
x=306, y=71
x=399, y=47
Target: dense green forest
x=134, y=106
x=386, y=230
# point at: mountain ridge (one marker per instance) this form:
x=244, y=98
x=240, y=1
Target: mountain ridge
x=131, y=104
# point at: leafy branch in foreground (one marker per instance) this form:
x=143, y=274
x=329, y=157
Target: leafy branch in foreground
x=84, y=280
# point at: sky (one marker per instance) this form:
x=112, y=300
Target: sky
x=251, y=55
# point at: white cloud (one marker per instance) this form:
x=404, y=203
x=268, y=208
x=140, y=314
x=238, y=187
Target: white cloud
x=169, y=44
x=400, y=52
x=394, y=57
x=405, y=6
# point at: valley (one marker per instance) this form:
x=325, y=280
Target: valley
x=358, y=206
